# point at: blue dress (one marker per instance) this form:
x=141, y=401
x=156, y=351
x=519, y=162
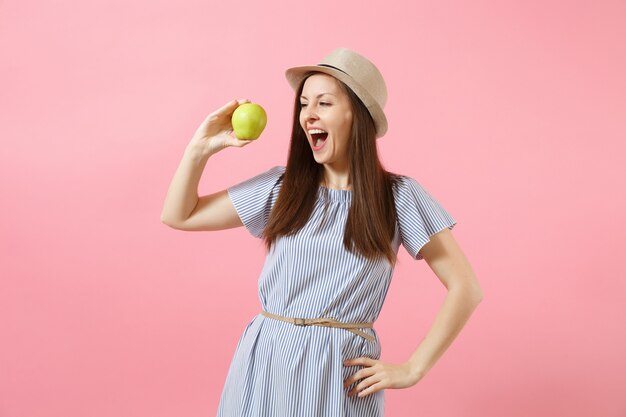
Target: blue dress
x=282, y=370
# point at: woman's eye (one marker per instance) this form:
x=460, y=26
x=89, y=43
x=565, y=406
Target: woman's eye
x=303, y=105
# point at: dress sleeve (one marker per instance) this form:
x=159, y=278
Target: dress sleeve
x=254, y=198
x=419, y=215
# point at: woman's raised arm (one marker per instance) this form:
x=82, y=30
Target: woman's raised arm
x=183, y=209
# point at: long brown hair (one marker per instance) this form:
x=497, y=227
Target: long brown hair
x=370, y=226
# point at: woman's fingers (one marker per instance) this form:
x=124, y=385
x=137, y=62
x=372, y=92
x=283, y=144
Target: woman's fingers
x=222, y=115
x=360, y=374
x=377, y=375
x=216, y=131
x=240, y=143
x=228, y=107
x=235, y=141
x=231, y=106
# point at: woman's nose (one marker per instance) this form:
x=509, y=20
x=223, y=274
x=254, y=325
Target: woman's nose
x=310, y=113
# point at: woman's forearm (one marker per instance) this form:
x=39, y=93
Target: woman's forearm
x=457, y=307
x=182, y=194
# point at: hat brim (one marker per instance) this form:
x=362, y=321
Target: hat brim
x=295, y=76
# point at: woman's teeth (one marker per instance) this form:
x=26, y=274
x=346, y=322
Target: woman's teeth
x=318, y=136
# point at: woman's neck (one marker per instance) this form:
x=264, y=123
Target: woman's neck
x=336, y=178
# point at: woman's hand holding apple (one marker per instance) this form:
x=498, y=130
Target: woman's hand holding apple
x=215, y=132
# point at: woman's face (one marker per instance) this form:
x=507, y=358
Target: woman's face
x=326, y=117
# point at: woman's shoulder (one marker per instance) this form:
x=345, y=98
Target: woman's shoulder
x=272, y=174
x=275, y=173
x=401, y=181
x=406, y=187
x=262, y=182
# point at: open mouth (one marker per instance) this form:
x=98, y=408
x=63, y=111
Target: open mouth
x=318, y=137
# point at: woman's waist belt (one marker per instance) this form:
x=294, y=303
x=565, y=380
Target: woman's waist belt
x=326, y=322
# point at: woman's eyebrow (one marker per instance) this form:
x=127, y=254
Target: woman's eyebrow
x=318, y=96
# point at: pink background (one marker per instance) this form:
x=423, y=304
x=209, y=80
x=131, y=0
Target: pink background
x=512, y=113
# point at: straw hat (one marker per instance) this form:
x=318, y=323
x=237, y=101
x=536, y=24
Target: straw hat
x=358, y=73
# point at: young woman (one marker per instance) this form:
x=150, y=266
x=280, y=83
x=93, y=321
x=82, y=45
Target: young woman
x=332, y=219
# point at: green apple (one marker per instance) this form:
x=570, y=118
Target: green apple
x=248, y=120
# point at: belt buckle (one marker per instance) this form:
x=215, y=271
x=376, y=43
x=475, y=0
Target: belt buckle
x=299, y=322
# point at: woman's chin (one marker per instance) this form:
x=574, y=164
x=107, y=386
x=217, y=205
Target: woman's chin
x=319, y=158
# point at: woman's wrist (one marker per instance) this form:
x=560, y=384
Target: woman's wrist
x=198, y=154
x=417, y=370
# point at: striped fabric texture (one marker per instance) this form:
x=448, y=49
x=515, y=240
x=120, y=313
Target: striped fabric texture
x=281, y=370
